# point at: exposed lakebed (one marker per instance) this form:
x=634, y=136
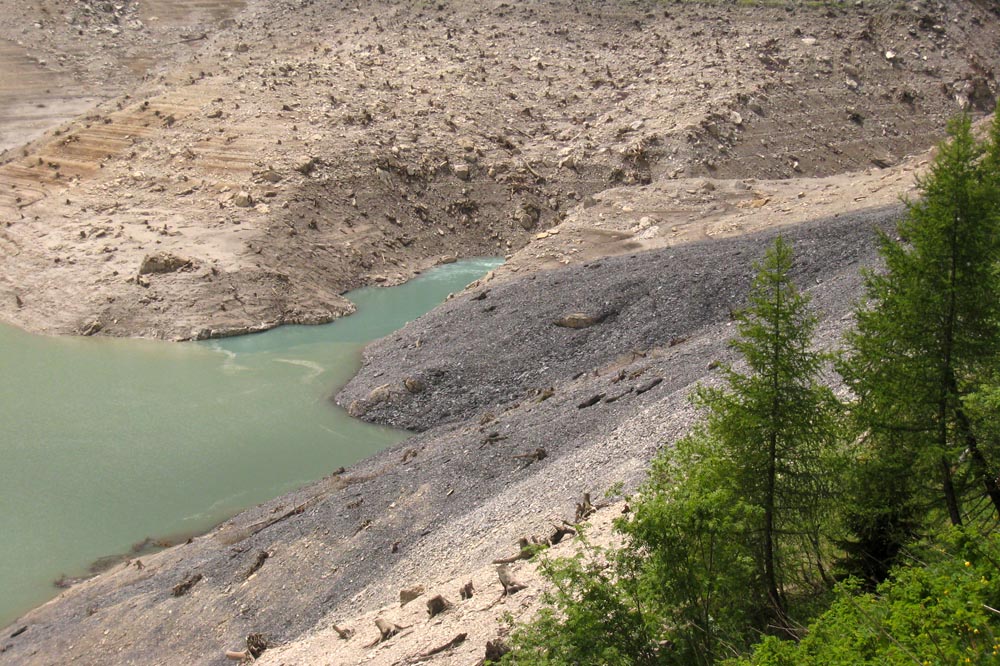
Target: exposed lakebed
x=104, y=442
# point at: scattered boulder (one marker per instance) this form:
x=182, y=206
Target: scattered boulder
x=577, y=320
x=242, y=200
x=376, y=396
x=305, y=165
x=527, y=216
x=591, y=401
x=414, y=385
x=409, y=594
x=462, y=171
x=163, y=262
x=974, y=93
x=271, y=176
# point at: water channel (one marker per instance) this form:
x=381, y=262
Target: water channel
x=104, y=442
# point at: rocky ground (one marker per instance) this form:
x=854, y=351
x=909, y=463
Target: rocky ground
x=249, y=162
x=255, y=160
x=597, y=401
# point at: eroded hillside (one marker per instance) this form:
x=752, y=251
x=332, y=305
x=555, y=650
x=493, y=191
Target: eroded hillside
x=249, y=163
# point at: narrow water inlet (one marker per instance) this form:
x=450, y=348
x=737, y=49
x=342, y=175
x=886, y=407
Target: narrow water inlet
x=105, y=442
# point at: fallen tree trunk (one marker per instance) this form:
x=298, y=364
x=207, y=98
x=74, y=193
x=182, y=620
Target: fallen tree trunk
x=510, y=586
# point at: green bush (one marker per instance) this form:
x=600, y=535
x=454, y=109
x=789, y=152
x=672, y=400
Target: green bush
x=944, y=612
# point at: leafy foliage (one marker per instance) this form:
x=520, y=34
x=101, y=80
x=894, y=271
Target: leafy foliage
x=774, y=427
x=698, y=578
x=944, y=612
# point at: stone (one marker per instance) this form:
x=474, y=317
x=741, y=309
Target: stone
x=527, y=216
x=577, y=320
x=414, y=385
x=409, y=594
x=305, y=165
x=271, y=176
x=242, y=200
x=462, y=171
x=162, y=262
x=379, y=394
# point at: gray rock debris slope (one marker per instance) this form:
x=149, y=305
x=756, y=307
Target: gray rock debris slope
x=504, y=342
x=457, y=495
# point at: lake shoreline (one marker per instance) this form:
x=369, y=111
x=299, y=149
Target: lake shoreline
x=459, y=494
x=181, y=436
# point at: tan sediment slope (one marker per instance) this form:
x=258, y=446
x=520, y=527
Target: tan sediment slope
x=371, y=140
x=283, y=152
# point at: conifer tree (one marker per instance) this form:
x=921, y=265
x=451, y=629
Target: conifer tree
x=730, y=518
x=928, y=333
x=773, y=423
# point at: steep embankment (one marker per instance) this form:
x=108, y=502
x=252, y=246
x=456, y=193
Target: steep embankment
x=279, y=153
x=501, y=380
x=303, y=148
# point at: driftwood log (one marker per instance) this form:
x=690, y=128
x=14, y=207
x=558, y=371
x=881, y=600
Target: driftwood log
x=525, y=552
x=182, y=588
x=386, y=631
x=586, y=508
x=345, y=633
x=455, y=642
x=560, y=533
x=257, y=564
x=416, y=659
x=510, y=586
x=256, y=644
x=532, y=456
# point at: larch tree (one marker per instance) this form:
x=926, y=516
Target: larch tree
x=774, y=424
x=928, y=330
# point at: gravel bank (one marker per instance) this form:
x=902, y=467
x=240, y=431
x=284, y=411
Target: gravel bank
x=457, y=495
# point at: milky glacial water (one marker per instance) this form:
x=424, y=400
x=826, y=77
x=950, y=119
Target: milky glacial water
x=104, y=442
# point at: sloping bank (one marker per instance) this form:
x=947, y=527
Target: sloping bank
x=489, y=378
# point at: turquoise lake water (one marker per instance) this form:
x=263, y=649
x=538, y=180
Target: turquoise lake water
x=104, y=442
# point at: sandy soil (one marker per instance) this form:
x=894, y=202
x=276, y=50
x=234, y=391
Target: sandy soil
x=280, y=153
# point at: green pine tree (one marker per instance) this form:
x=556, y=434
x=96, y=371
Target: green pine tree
x=724, y=539
x=928, y=333
x=775, y=424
